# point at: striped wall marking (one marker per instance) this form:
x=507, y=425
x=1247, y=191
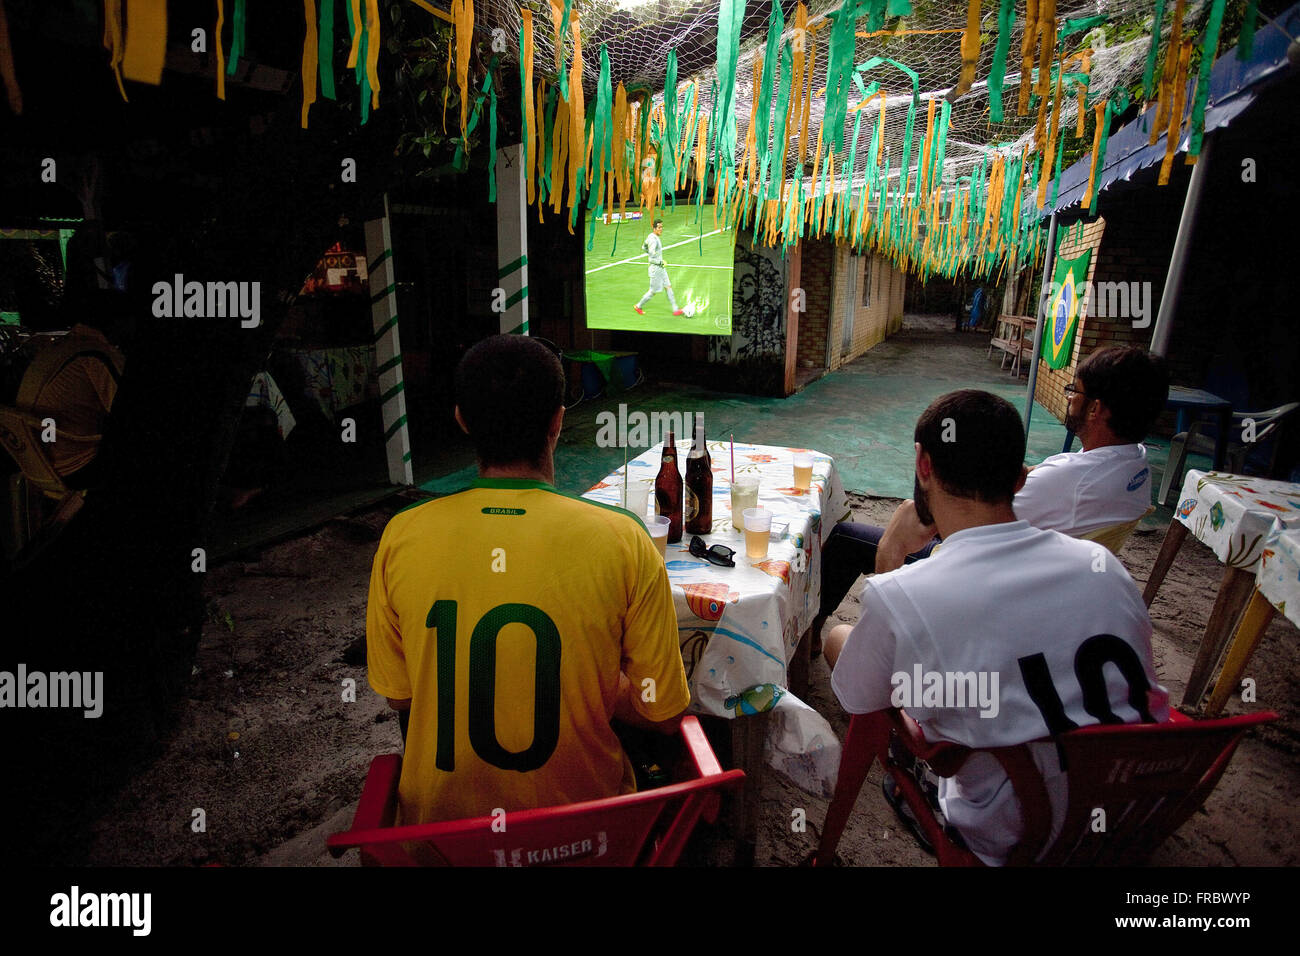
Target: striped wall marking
x=383, y=305
x=518, y=296
x=510, y=267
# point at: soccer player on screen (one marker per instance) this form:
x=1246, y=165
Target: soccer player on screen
x=654, y=246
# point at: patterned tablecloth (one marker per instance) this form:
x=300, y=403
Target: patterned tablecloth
x=739, y=627
x=337, y=378
x=1278, y=578
x=1233, y=514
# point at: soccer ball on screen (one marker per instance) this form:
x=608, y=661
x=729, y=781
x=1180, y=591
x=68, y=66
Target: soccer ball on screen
x=689, y=310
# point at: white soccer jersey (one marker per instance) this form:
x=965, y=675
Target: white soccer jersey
x=1082, y=491
x=1014, y=623
x=655, y=247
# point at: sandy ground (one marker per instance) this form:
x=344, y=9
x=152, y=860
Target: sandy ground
x=267, y=746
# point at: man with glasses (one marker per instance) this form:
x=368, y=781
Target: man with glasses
x=1113, y=402
x=511, y=622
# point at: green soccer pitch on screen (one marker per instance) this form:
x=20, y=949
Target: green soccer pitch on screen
x=674, y=281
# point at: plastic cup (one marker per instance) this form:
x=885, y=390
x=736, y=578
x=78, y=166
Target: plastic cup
x=802, y=470
x=638, y=496
x=658, y=526
x=758, y=529
x=744, y=494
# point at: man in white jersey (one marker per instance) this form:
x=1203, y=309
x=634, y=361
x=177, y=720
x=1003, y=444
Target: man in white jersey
x=654, y=247
x=1114, y=400
x=1115, y=397
x=1033, y=616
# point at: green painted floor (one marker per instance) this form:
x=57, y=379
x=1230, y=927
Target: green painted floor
x=862, y=415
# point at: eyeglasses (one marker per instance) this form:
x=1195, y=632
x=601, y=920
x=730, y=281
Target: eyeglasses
x=719, y=554
x=1071, y=390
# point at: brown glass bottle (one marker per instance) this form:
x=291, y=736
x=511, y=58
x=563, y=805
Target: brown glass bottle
x=668, y=491
x=698, y=511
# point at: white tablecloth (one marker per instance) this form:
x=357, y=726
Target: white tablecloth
x=1233, y=514
x=739, y=627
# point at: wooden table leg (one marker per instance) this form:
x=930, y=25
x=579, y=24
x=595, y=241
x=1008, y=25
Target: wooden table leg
x=1245, y=639
x=1234, y=592
x=748, y=738
x=1174, y=537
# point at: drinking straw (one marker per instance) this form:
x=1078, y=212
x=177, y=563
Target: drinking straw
x=625, y=477
x=733, y=458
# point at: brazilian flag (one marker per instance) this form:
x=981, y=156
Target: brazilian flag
x=1063, y=309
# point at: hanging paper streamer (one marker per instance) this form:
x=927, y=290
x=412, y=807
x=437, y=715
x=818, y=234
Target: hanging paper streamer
x=1028, y=45
x=237, y=37
x=577, y=126
x=1208, y=49
x=560, y=13
x=146, y=41
x=8, y=78
x=113, y=42
x=309, y=59
x=1176, y=115
x=325, y=49
x=731, y=13
x=1246, y=38
x=602, y=159
x=529, y=107
x=216, y=36
x=997, y=73
x=970, y=49
x=843, y=41
x=1148, y=74
x=462, y=12
x=1168, y=75
x=668, y=141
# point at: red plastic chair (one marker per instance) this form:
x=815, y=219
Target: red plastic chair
x=649, y=828
x=1149, y=778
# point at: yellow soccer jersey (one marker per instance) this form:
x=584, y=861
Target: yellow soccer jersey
x=505, y=613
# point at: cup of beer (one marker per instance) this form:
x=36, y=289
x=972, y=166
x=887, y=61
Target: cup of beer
x=744, y=494
x=658, y=527
x=802, y=470
x=758, y=528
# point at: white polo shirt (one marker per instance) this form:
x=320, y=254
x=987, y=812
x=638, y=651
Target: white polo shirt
x=1011, y=606
x=1082, y=491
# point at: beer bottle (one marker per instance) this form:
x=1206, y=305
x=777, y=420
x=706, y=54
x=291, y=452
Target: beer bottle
x=668, y=491
x=699, y=484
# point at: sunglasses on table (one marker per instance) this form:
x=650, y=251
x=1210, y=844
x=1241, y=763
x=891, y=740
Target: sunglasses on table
x=717, y=554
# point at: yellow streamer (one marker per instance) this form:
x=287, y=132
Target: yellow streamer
x=557, y=19
x=1100, y=111
x=113, y=43
x=530, y=118
x=221, y=55
x=1027, y=48
x=309, y=59
x=1167, y=74
x=1046, y=45
x=1051, y=140
x=356, y=37
x=463, y=13
x=577, y=114
x=1176, y=116
x=372, y=48
x=146, y=41
x=970, y=49
x=1083, y=96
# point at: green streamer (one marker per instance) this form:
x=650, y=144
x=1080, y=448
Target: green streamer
x=236, y=38
x=731, y=15
x=1208, y=49
x=900, y=8
x=782, y=107
x=492, y=136
x=771, y=64
x=997, y=74
x=840, y=65
x=668, y=135
x=564, y=32
x=1071, y=27
x=602, y=150
x=1246, y=39
x=325, y=49
x=1149, y=73
x=363, y=78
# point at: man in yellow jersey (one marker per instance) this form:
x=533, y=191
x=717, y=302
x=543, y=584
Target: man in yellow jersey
x=515, y=622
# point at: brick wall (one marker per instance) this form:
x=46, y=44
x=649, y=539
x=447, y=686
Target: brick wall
x=873, y=322
x=1050, y=388
x=815, y=279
